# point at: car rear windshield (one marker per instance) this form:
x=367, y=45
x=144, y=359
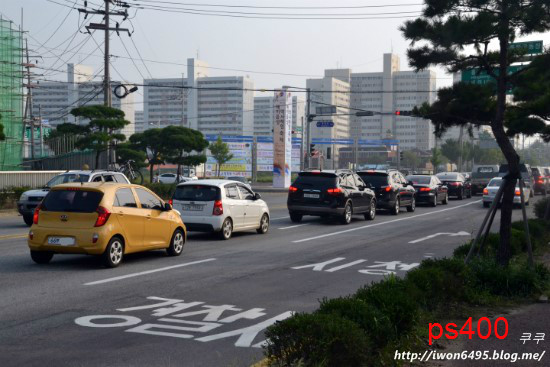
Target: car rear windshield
x=307, y=180
x=67, y=178
x=448, y=176
x=376, y=179
x=75, y=201
x=485, y=169
x=504, y=168
x=535, y=171
x=495, y=183
x=420, y=180
x=197, y=193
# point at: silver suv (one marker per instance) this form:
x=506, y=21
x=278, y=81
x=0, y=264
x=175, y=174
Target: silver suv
x=29, y=200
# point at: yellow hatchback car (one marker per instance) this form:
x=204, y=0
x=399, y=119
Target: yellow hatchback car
x=107, y=219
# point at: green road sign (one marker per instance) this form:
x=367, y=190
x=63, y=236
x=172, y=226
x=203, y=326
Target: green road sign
x=476, y=76
x=531, y=47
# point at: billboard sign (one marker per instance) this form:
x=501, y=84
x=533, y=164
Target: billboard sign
x=282, y=139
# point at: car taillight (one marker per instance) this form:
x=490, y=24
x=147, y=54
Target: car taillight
x=171, y=202
x=102, y=216
x=425, y=189
x=292, y=189
x=456, y=183
x=485, y=192
x=518, y=193
x=36, y=214
x=218, y=208
x=387, y=188
x=540, y=181
x=335, y=191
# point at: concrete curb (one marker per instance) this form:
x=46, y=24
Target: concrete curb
x=8, y=213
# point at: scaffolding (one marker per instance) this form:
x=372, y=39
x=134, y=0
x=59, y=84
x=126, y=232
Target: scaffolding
x=11, y=95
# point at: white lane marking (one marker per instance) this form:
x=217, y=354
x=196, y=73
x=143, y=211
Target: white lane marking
x=336, y=268
x=382, y=223
x=295, y=226
x=461, y=233
x=147, y=272
x=280, y=218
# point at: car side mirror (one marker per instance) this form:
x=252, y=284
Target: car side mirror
x=167, y=207
x=410, y=183
x=257, y=196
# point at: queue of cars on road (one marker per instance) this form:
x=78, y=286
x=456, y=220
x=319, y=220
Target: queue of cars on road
x=101, y=213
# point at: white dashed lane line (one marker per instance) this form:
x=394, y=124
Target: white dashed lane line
x=383, y=223
x=114, y=279
x=295, y=226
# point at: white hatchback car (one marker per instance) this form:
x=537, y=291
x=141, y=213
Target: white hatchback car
x=491, y=190
x=220, y=206
x=170, y=178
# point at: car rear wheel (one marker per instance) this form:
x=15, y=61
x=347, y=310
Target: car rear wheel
x=446, y=199
x=434, y=202
x=461, y=194
x=264, y=224
x=227, y=229
x=41, y=257
x=470, y=194
x=411, y=208
x=296, y=218
x=112, y=256
x=371, y=214
x=28, y=219
x=177, y=243
x=486, y=204
x=396, y=208
x=348, y=212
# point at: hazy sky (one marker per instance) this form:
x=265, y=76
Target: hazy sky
x=304, y=47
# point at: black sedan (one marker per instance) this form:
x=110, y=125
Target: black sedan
x=457, y=184
x=429, y=189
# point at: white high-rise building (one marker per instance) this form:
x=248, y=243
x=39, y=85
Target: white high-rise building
x=165, y=102
x=332, y=90
x=55, y=100
x=264, y=116
x=389, y=91
x=228, y=108
x=139, y=121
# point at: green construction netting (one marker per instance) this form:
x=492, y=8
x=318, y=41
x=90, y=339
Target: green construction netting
x=11, y=95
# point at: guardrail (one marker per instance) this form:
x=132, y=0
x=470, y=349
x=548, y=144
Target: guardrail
x=26, y=178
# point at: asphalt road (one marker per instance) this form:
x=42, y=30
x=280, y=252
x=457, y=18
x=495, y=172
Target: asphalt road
x=208, y=307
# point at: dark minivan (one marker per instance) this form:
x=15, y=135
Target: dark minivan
x=339, y=193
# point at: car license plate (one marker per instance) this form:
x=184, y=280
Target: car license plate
x=191, y=207
x=61, y=241
x=311, y=196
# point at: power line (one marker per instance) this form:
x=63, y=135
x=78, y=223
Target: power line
x=283, y=7
x=60, y=24
x=139, y=54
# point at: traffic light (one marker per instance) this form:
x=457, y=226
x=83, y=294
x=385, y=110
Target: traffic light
x=403, y=113
x=311, y=149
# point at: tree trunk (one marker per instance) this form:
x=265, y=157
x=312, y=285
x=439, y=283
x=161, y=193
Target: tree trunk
x=178, y=173
x=503, y=253
x=151, y=169
x=97, y=154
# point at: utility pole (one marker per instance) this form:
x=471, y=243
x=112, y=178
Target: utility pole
x=105, y=27
x=29, y=117
x=461, y=144
x=308, y=127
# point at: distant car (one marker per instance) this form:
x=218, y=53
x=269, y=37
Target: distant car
x=525, y=172
x=491, y=190
x=392, y=190
x=456, y=183
x=429, y=189
x=329, y=193
x=481, y=175
x=541, y=182
x=29, y=200
x=220, y=206
x=106, y=219
x=171, y=178
x=240, y=179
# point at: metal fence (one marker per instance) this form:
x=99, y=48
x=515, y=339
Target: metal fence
x=25, y=178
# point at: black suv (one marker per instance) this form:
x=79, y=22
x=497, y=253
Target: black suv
x=339, y=193
x=392, y=190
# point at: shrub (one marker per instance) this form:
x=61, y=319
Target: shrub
x=375, y=323
x=392, y=297
x=515, y=280
x=440, y=282
x=317, y=340
x=165, y=191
